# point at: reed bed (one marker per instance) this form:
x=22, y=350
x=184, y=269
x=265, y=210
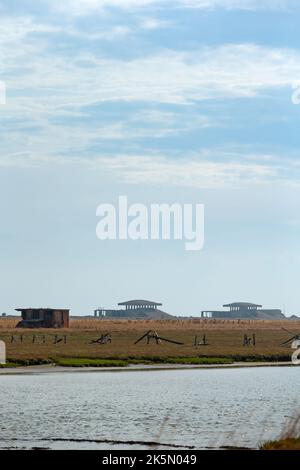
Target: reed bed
x=98, y=324
x=181, y=324
x=289, y=438
x=8, y=323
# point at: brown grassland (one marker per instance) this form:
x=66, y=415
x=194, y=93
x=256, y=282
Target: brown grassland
x=225, y=338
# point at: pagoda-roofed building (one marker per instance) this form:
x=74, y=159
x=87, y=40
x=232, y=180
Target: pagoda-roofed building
x=243, y=307
x=135, y=309
x=244, y=310
x=140, y=304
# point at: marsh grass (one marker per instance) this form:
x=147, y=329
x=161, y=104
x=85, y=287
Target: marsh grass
x=289, y=438
x=117, y=362
x=82, y=362
x=178, y=324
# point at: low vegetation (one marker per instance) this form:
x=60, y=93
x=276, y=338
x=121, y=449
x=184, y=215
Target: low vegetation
x=289, y=440
x=9, y=365
x=86, y=362
x=82, y=362
x=291, y=443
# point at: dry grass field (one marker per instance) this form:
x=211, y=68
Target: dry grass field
x=224, y=337
x=179, y=324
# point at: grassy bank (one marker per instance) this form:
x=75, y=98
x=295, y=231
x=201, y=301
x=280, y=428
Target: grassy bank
x=9, y=365
x=86, y=362
x=116, y=361
x=292, y=443
x=11, y=362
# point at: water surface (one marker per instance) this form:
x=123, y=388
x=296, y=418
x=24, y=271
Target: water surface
x=202, y=408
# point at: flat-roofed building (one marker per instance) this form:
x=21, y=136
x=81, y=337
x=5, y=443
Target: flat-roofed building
x=43, y=318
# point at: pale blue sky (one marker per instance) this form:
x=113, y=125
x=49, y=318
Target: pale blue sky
x=163, y=101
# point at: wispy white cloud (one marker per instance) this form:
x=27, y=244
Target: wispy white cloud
x=86, y=7
x=241, y=4
x=227, y=71
x=16, y=28
x=160, y=123
x=43, y=85
x=208, y=168
x=188, y=172
x=152, y=23
x=72, y=139
x=164, y=76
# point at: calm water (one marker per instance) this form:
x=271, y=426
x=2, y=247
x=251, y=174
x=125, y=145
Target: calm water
x=186, y=407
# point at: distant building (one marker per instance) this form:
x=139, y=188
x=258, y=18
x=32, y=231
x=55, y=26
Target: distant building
x=140, y=305
x=134, y=309
x=43, y=318
x=244, y=310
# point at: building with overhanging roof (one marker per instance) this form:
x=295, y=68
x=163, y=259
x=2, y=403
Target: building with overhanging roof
x=242, y=306
x=134, y=309
x=140, y=304
x=244, y=310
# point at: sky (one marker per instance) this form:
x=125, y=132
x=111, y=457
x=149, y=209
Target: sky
x=178, y=101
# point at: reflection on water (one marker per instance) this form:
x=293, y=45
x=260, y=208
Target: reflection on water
x=203, y=408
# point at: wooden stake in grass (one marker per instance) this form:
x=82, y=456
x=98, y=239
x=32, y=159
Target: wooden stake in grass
x=151, y=334
x=103, y=339
x=202, y=342
x=247, y=341
x=57, y=339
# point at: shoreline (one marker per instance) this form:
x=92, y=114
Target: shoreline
x=52, y=368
